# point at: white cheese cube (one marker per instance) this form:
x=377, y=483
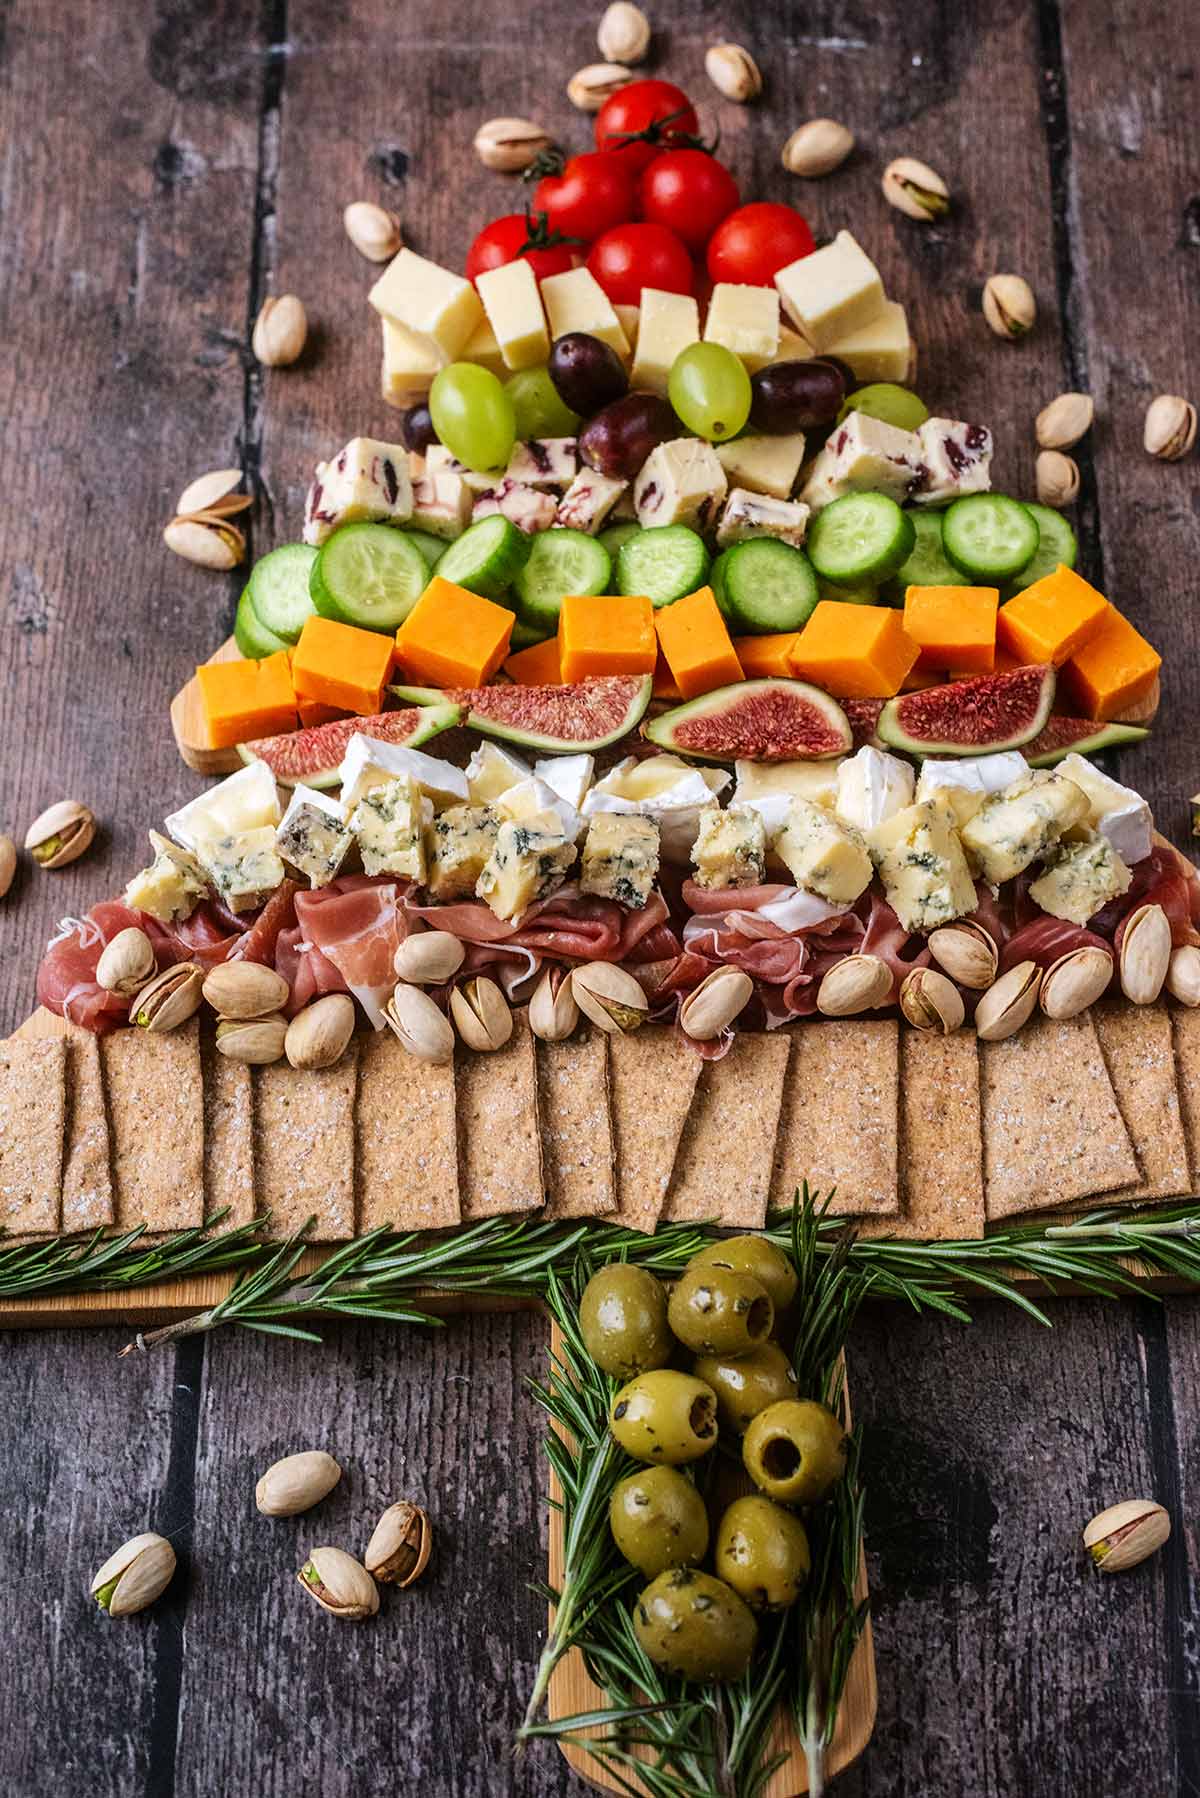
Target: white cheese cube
x=763, y=464
x=755, y=515
x=529, y=859
x=627, y=317
x=952, y=459
x=746, y=321
x=1079, y=877
x=922, y=866
x=680, y=482
x=366, y=479
x=171, y=887
x=1117, y=812
x=862, y=455
x=243, y=801
x=793, y=347
x=515, y=312
x=544, y=462
x=532, y=798
x=524, y=506
x=438, y=307
x=667, y=324
x=438, y=460
x=1015, y=827
x=314, y=837
x=967, y=781
x=575, y=301
x=872, y=787
x=492, y=771
x=569, y=776
x=823, y=855
x=481, y=347
x=588, y=501
x=367, y=762
x=243, y=866
x=880, y=349
x=409, y=365
x=730, y=848
x=389, y=824
x=831, y=292
x=441, y=504
x=457, y=846
x=620, y=858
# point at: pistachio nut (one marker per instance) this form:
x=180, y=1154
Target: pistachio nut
x=720, y=997
x=589, y=88
x=280, y=331
x=209, y=541
x=61, y=834
x=1057, y=479
x=733, y=72
x=340, y=1584
x=245, y=989
x=296, y=1483
x=481, y=1014
x=967, y=952
x=429, y=957
x=423, y=1030
x=1126, y=1534
x=8, y=863
x=510, y=145
x=400, y=1546
x=817, y=148
x=1064, y=421
x=374, y=232
x=1008, y=1004
x=135, y=1576
x=856, y=983
x=624, y=33
x=553, y=1013
x=1183, y=975
x=256, y=1041
x=609, y=996
x=213, y=495
x=126, y=963
x=1170, y=428
x=170, y=999
x=931, y=1002
x=1145, y=954
x=317, y=1037
x=915, y=189
x=1009, y=306
x=1075, y=981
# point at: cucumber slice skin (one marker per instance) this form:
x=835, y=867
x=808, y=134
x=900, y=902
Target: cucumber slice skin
x=1057, y=543
x=279, y=590
x=989, y=537
x=487, y=558
x=614, y=535
x=664, y=563
x=356, y=553
x=251, y=635
x=860, y=539
x=768, y=586
x=559, y=562
x=431, y=547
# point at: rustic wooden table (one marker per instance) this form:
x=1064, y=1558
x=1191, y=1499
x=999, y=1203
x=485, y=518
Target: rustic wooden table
x=167, y=165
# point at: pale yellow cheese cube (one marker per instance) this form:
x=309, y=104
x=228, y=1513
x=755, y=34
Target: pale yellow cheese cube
x=409, y=365
x=438, y=307
x=575, y=301
x=481, y=347
x=832, y=292
x=793, y=347
x=763, y=464
x=514, y=309
x=878, y=351
x=628, y=318
x=746, y=321
x=667, y=324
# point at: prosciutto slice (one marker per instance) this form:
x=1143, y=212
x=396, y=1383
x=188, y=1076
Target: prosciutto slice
x=355, y=924
x=66, y=979
x=568, y=926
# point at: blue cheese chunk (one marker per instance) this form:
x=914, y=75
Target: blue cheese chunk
x=314, y=837
x=620, y=858
x=171, y=887
x=389, y=822
x=458, y=844
x=244, y=868
x=758, y=515
x=822, y=855
x=529, y=859
x=922, y=866
x=730, y=848
x=1015, y=827
x=366, y=479
x=1079, y=877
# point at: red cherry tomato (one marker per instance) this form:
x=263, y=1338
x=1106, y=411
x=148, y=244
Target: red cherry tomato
x=750, y=244
x=594, y=192
x=689, y=191
x=515, y=235
x=631, y=257
x=643, y=118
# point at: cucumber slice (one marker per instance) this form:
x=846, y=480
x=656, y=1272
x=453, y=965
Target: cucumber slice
x=278, y=589
x=614, y=535
x=431, y=547
x=766, y=586
x=989, y=536
x=487, y=558
x=369, y=575
x=560, y=562
x=525, y=636
x=1057, y=543
x=663, y=563
x=863, y=537
x=928, y=565
x=252, y=636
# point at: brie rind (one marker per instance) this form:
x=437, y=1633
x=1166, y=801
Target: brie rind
x=368, y=761
x=569, y=776
x=872, y=786
x=797, y=910
x=534, y=798
x=968, y=780
x=491, y=771
x=662, y=788
x=1118, y=813
x=244, y=801
x=302, y=796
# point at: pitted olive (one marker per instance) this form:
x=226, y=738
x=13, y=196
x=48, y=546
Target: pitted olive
x=795, y=1452
x=665, y=1418
x=720, y=1311
x=623, y=1318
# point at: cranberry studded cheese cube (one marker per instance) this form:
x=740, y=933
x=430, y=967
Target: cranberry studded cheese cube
x=680, y=482
x=952, y=460
x=863, y=455
x=365, y=480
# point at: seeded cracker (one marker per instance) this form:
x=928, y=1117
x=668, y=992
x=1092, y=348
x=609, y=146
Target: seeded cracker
x=499, y=1151
x=33, y=1105
x=1136, y=1043
x=304, y=1146
x=577, y=1134
x=228, y=1136
x=723, y=1168
x=1185, y=1033
x=839, y=1122
x=941, y=1141
x=87, y=1186
x=155, y=1095
x=406, y=1137
x=652, y=1076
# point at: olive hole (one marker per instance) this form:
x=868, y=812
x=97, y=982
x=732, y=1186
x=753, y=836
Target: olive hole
x=758, y=1321
x=702, y=1415
x=780, y=1457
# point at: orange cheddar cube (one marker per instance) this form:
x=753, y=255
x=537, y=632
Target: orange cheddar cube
x=663, y=685
x=246, y=699
x=766, y=658
x=921, y=679
x=954, y=627
x=340, y=665
x=313, y=713
x=608, y=633
x=1113, y=670
x=1049, y=621
x=453, y=638
x=536, y=666
x=853, y=651
x=696, y=645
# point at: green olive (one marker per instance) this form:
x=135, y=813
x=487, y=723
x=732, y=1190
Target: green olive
x=693, y=1624
x=623, y=1317
x=795, y=1451
x=665, y=1417
x=658, y=1520
x=762, y=1552
x=746, y=1384
x=720, y=1311
x=754, y=1255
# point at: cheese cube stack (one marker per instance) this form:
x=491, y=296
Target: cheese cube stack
x=409, y=365
x=1015, y=827
x=763, y=464
x=575, y=301
x=746, y=321
x=514, y=310
x=668, y=323
x=438, y=308
x=831, y=292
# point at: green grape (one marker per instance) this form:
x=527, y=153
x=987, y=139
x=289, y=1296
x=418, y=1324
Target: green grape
x=539, y=409
x=473, y=416
x=894, y=405
x=710, y=390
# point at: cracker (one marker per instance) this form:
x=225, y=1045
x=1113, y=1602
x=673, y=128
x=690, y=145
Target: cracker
x=1185, y=1035
x=304, y=1147
x=87, y=1187
x=229, y=1183
x=33, y=1118
x=941, y=1141
x=723, y=1166
x=652, y=1077
x=406, y=1139
x=1052, y=1129
x=839, y=1122
x=155, y=1094
x=499, y=1149
x=1135, y=1041
x=577, y=1134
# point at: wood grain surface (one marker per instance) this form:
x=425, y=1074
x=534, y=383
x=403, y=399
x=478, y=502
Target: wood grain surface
x=168, y=162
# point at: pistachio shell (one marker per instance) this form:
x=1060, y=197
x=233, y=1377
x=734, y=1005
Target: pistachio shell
x=733, y=72
x=1008, y=1004
x=245, y=989
x=170, y=999
x=553, y=1013
x=857, y=983
x=624, y=33
x=318, y=1036
x=127, y=963
x=481, y=1014
x=1183, y=975
x=1057, y=479
x=209, y=490
x=374, y=232
x=400, y=1546
x=339, y=1584
x=8, y=863
x=1170, y=428
x=915, y=189
x=133, y=1577
x=1145, y=954
x=1075, y=981
x=61, y=834
x=296, y=1483
x=589, y=88
x=931, y=1002
x=1064, y=421
x=256, y=1041
x=510, y=145
x=1126, y=1534
x=609, y=996
x=817, y=148
x=280, y=331
x=716, y=1002
x=1009, y=306
x=207, y=542
x=429, y=957
x=420, y=1026
x=967, y=952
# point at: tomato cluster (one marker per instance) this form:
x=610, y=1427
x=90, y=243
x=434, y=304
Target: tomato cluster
x=650, y=206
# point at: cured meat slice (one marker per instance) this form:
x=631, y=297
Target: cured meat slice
x=355, y=925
